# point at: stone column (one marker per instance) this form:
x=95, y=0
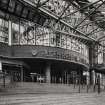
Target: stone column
x=10, y=33
x=94, y=77
x=101, y=82
x=0, y=66
x=48, y=73
x=93, y=60
x=87, y=78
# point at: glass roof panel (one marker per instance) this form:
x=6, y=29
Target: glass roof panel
x=87, y=17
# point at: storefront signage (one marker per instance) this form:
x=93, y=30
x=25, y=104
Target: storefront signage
x=54, y=54
x=34, y=52
x=57, y=55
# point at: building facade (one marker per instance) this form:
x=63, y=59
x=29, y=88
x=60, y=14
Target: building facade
x=32, y=51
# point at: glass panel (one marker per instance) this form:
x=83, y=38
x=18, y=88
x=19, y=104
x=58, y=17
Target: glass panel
x=3, y=31
x=68, y=42
x=46, y=37
x=39, y=36
x=52, y=39
x=100, y=55
x=73, y=45
x=63, y=41
x=82, y=49
x=31, y=36
x=15, y=32
x=23, y=34
x=78, y=47
x=58, y=40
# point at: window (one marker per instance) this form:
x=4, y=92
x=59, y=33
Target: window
x=63, y=41
x=58, y=40
x=69, y=42
x=15, y=32
x=3, y=31
x=52, y=39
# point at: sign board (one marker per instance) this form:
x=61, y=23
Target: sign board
x=59, y=54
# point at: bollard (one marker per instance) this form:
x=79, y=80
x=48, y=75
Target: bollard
x=98, y=81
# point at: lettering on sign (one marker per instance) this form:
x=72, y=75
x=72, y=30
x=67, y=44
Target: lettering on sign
x=57, y=55
x=34, y=52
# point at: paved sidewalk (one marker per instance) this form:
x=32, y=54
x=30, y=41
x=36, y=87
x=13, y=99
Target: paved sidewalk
x=54, y=99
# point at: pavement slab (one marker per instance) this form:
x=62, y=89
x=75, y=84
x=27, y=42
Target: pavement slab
x=54, y=99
